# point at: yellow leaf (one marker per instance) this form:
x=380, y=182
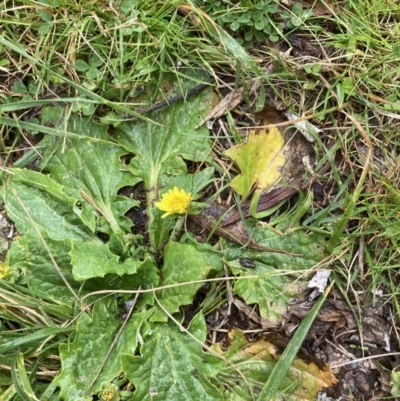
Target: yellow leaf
x=260, y=160
x=303, y=381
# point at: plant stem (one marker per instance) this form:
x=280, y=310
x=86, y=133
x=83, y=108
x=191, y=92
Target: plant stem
x=150, y=198
x=177, y=229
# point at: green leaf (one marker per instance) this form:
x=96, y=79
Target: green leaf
x=172, y=367
x=146, y=277
x=92, y=260
x=297, y=9
x=248, y=36
x=51, y=115
x=32, y=337
x=160, y=228
x=234, y=26
x=340, y=94
x=19, y=87
x=192, y=183
x=259, y=16
x=160, y=149
x=87, y=109
x=213, y=256
x=182, y=263
x=237, y=50
x=81, y=360
x=271, y=289
x=45, y=29
x=81, y=65
x=21, y=380
x=395, y=377
x=48, y=205
x=92, y=73
x=91, y=172
x=202, y=179
x=95, y=61
x=348, y=86
x=259, y=25
x=28, y=255
x=45, y=15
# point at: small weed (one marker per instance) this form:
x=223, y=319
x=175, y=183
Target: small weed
x=251, y=21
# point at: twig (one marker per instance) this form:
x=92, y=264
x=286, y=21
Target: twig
x=174, y=99
x=364, y=359
x=164, y=287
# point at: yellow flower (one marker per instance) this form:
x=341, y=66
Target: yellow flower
x=175, y=201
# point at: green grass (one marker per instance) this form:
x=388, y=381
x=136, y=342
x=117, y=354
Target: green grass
x=107, y=61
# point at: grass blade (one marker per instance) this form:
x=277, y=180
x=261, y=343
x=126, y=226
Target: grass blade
x=271, y=388
x=82, y=90
x=37, y=335
x=20, y=379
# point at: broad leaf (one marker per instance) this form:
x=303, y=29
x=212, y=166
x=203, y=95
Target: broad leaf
x=295, y=250
x=160, y=149
x=81, y=360
x=28, y=255
x=172, y=366
x=259, y=159
x=30, y=192
x=192, y=183
x=271, y=290
x=160, y=228
x=182, y=263
x=91, y=260
x=214, y=257
x=92, y=172
x=280, y=276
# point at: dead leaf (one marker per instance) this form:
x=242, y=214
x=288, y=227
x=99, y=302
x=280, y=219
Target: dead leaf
x=260, y=160
x=305, y=379
x=229, y=102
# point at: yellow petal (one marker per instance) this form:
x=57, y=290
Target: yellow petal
x=175, y=201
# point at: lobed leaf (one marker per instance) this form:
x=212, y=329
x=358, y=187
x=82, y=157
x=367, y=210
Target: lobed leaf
x=172, y=366
x=280, y=276
x=92, y=260
x=30, y=192
x=92, y=172
x=182, y=263
x=28, y=255
x=82, y=359
x=160, y=149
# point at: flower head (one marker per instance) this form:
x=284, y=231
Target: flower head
x=175, y=201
